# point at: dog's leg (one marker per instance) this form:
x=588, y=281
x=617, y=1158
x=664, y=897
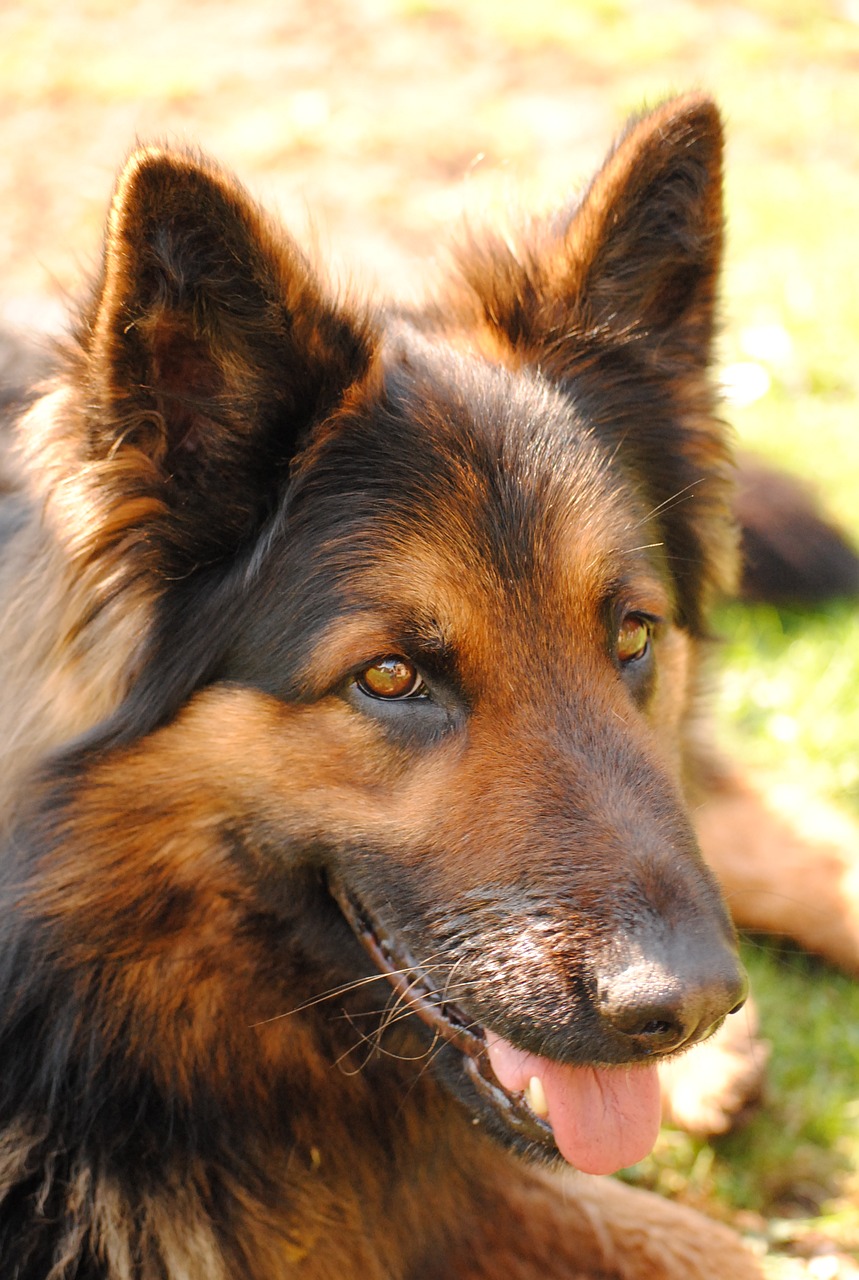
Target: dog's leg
x=582, y=1228
x=789, y=865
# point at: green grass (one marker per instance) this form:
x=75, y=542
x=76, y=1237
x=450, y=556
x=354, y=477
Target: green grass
x=788, y=693
x=800, y=1153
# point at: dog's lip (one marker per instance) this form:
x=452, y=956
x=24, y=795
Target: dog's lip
x=443, y=1017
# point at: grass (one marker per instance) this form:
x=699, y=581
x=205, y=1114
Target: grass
x=788, y=690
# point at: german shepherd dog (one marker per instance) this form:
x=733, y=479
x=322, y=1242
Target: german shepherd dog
x=350, y=674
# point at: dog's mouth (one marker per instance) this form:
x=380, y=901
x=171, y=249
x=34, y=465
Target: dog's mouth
x=601, y=1119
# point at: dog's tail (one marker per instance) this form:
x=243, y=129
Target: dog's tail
x=792, y=553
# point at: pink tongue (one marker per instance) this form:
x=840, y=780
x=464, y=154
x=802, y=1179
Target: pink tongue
x=603, y=1119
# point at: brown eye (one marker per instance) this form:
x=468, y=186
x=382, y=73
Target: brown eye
x=633, y=638
x=391, y=677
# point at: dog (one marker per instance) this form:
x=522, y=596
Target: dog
x=353, y=661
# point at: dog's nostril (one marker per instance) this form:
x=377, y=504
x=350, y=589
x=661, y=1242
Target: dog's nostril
x=654, y=1021
x=654, y=1031
x=655, y=1027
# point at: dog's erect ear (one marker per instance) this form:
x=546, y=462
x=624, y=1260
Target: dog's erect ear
x=210, y=350
x=634, y=262
x=645, y=245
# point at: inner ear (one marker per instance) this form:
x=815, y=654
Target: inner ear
x=186, y=385
x=212, y=348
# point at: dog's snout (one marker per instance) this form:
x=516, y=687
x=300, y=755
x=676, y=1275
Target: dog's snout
x=658, y=1008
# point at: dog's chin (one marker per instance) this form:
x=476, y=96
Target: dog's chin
x=459, y=1049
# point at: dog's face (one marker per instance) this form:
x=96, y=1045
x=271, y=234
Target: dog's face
x=489, y=623
x=464, y=560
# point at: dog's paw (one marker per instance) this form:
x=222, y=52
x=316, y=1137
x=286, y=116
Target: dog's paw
x=641, y=1236
x=717, y=1085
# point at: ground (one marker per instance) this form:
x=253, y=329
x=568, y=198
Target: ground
x=372, y=126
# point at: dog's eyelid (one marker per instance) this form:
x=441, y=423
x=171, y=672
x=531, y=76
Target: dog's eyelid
x=644, y=596
x=653, y=621
x=623, y=611
x=429, y=646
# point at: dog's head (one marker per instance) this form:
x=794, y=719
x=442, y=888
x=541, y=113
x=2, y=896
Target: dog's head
x=440, y=580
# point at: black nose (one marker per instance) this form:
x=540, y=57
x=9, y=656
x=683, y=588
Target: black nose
x=657, y=1007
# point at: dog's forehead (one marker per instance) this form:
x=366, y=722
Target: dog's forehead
x=508, y=473
x=472, y=502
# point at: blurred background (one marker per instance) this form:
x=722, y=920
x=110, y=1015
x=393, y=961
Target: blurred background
x=372, y=126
